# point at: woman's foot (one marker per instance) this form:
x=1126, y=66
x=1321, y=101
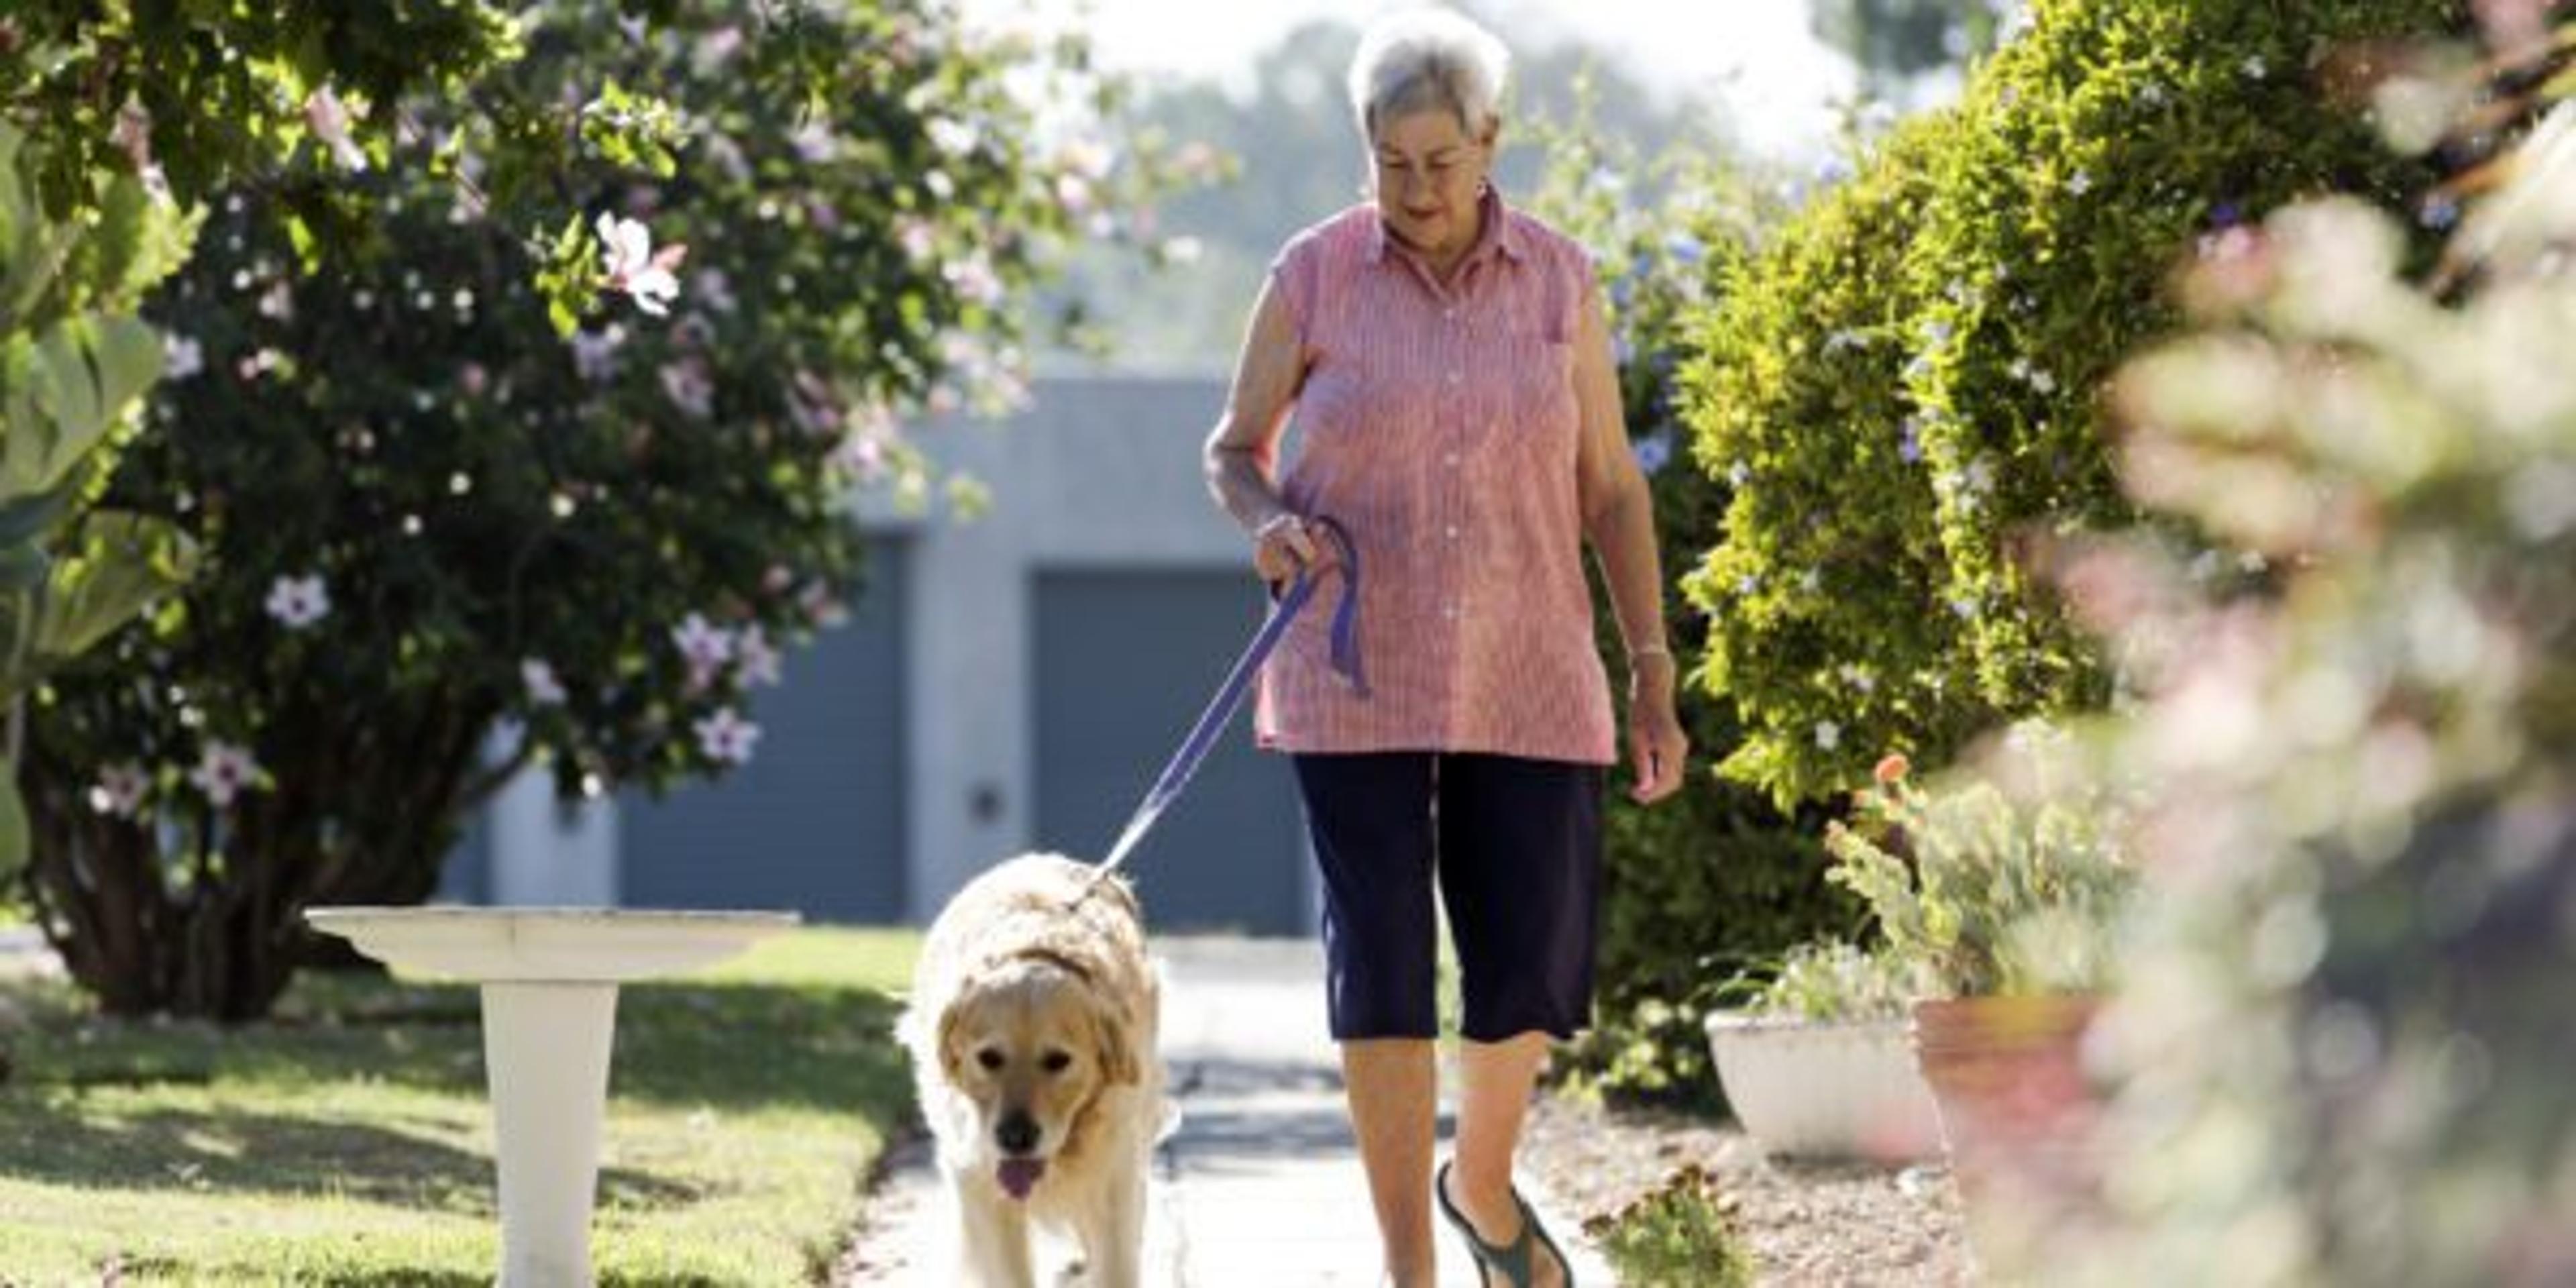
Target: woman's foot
x=1497, y=1220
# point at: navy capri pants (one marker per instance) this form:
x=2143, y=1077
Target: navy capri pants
x=1515, y=847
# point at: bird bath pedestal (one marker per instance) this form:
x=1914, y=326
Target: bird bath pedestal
x=549, y=978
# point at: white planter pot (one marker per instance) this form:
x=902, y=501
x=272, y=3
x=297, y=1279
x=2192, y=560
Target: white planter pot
x=1826, y=1090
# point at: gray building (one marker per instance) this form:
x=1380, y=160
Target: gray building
x=1009, y=682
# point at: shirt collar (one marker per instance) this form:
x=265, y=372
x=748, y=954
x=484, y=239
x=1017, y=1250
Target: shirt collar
x=1499, y=233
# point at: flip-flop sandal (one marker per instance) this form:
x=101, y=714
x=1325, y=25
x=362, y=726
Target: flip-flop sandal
x=1513, y=1263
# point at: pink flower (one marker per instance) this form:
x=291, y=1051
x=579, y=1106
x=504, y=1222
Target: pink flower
x=755, y=661
x=1892, y=768
x=330, y=122
x=119, y=790
x=223, y=772
x=707, y=649
x=726, y=737
x=299, y=602
x=634, y=267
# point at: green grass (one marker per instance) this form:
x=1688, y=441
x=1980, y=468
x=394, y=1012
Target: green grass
x=348, y=1140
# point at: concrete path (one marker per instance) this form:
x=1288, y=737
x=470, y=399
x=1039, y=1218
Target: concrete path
x=1261, y=1187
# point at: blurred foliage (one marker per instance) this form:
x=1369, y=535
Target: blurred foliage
x=2343, y=1053
x=2008, y=883
x=428, y=517
x=1896, y=40
x=1713, y=879
x=1903, y=388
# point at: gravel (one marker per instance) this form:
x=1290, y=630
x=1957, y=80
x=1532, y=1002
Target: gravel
x=1808, y=1223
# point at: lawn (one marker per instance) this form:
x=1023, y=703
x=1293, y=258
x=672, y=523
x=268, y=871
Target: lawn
x=348, y=1141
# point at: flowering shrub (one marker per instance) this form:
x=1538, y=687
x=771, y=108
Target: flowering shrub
x=1902, y=389
x=429, y=514
x=2342, y=1056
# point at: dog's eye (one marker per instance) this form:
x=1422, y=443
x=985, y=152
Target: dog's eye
x=1056, y=1061
x=990, y=1058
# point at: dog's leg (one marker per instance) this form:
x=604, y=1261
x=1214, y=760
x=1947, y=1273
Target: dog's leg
x=1113, y=1228
x=992, y=1235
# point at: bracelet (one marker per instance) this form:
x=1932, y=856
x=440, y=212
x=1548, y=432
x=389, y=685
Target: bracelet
x=1655, y=650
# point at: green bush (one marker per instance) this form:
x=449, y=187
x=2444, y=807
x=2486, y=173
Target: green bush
x=1903, y=389
x=1713, y=879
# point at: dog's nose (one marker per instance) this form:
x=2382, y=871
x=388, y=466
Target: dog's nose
x=1016, y=1133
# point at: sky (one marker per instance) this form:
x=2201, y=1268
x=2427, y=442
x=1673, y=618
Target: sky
x=1757, y=56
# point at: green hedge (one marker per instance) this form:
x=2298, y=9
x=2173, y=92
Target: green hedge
x=1903, y=390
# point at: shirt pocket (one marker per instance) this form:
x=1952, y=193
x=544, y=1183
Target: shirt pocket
x=1535, y=412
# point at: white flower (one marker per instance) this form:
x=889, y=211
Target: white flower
x=726, y=737
x=1858, y=678
x=2255, y=67
x=330, y=121
x=119, y=790
x=974, y=279
x=954, y=137
x=594, y=353
x=755, y=660
x=1737, y=475
x=918, y=237
x=299, y=601
x=2043, y=382
x=708, y=649
x=181, y=357
x=2082, y=183
x=544, y=689
x=633, y=266
x=1828, y=735
x=1184, y=250
x=223, y=772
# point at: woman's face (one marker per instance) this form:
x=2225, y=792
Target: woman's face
x=1427, y=172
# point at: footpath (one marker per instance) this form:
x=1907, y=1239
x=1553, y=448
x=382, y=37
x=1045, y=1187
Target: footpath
x=1261, y=1186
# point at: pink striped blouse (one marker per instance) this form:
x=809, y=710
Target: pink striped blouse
x=1440, y=426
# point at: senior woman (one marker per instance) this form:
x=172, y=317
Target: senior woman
x=1449, y=371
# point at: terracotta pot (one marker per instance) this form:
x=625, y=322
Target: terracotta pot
x=2017, y=1112
x=1817, y=1089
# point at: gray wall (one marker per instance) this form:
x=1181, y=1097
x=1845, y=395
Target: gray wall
x=1126, y=661
x=1100, y=475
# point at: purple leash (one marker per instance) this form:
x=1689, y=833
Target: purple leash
x=1221, y=708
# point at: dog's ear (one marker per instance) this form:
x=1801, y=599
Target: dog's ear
x=1113, y=1042
x=952, y=1062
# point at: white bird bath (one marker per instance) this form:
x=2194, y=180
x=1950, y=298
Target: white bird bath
x=549, y=978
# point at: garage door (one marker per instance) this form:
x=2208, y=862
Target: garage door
x=1124, y=662
x=815, y=822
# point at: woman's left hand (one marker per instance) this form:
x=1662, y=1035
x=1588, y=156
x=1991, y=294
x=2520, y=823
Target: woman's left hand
x=1657, y=747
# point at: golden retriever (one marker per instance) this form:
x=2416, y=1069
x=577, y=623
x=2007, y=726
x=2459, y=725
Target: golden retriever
x=1032, y=1030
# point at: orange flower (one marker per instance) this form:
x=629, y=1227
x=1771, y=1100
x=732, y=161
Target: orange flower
x=1892, y=768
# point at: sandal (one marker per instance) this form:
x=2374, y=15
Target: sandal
x=1514, y=1262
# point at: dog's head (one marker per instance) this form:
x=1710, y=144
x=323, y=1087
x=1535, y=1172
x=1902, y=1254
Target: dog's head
x=1032, y=1044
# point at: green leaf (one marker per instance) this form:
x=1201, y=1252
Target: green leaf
x=122, y=564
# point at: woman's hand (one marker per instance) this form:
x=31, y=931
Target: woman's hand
x=1657, y=747
x=1283, y=547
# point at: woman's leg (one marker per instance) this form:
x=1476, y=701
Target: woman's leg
x=1393, y=1088
x=1520, y=872
x=1370, y=818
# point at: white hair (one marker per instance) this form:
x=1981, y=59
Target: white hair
x=1428, y=58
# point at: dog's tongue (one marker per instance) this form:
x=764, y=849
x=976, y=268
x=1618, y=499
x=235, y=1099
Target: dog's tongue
x=1020, y=1175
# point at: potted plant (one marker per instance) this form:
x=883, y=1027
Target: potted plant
x=2002, y=894
x=1819, y=1064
